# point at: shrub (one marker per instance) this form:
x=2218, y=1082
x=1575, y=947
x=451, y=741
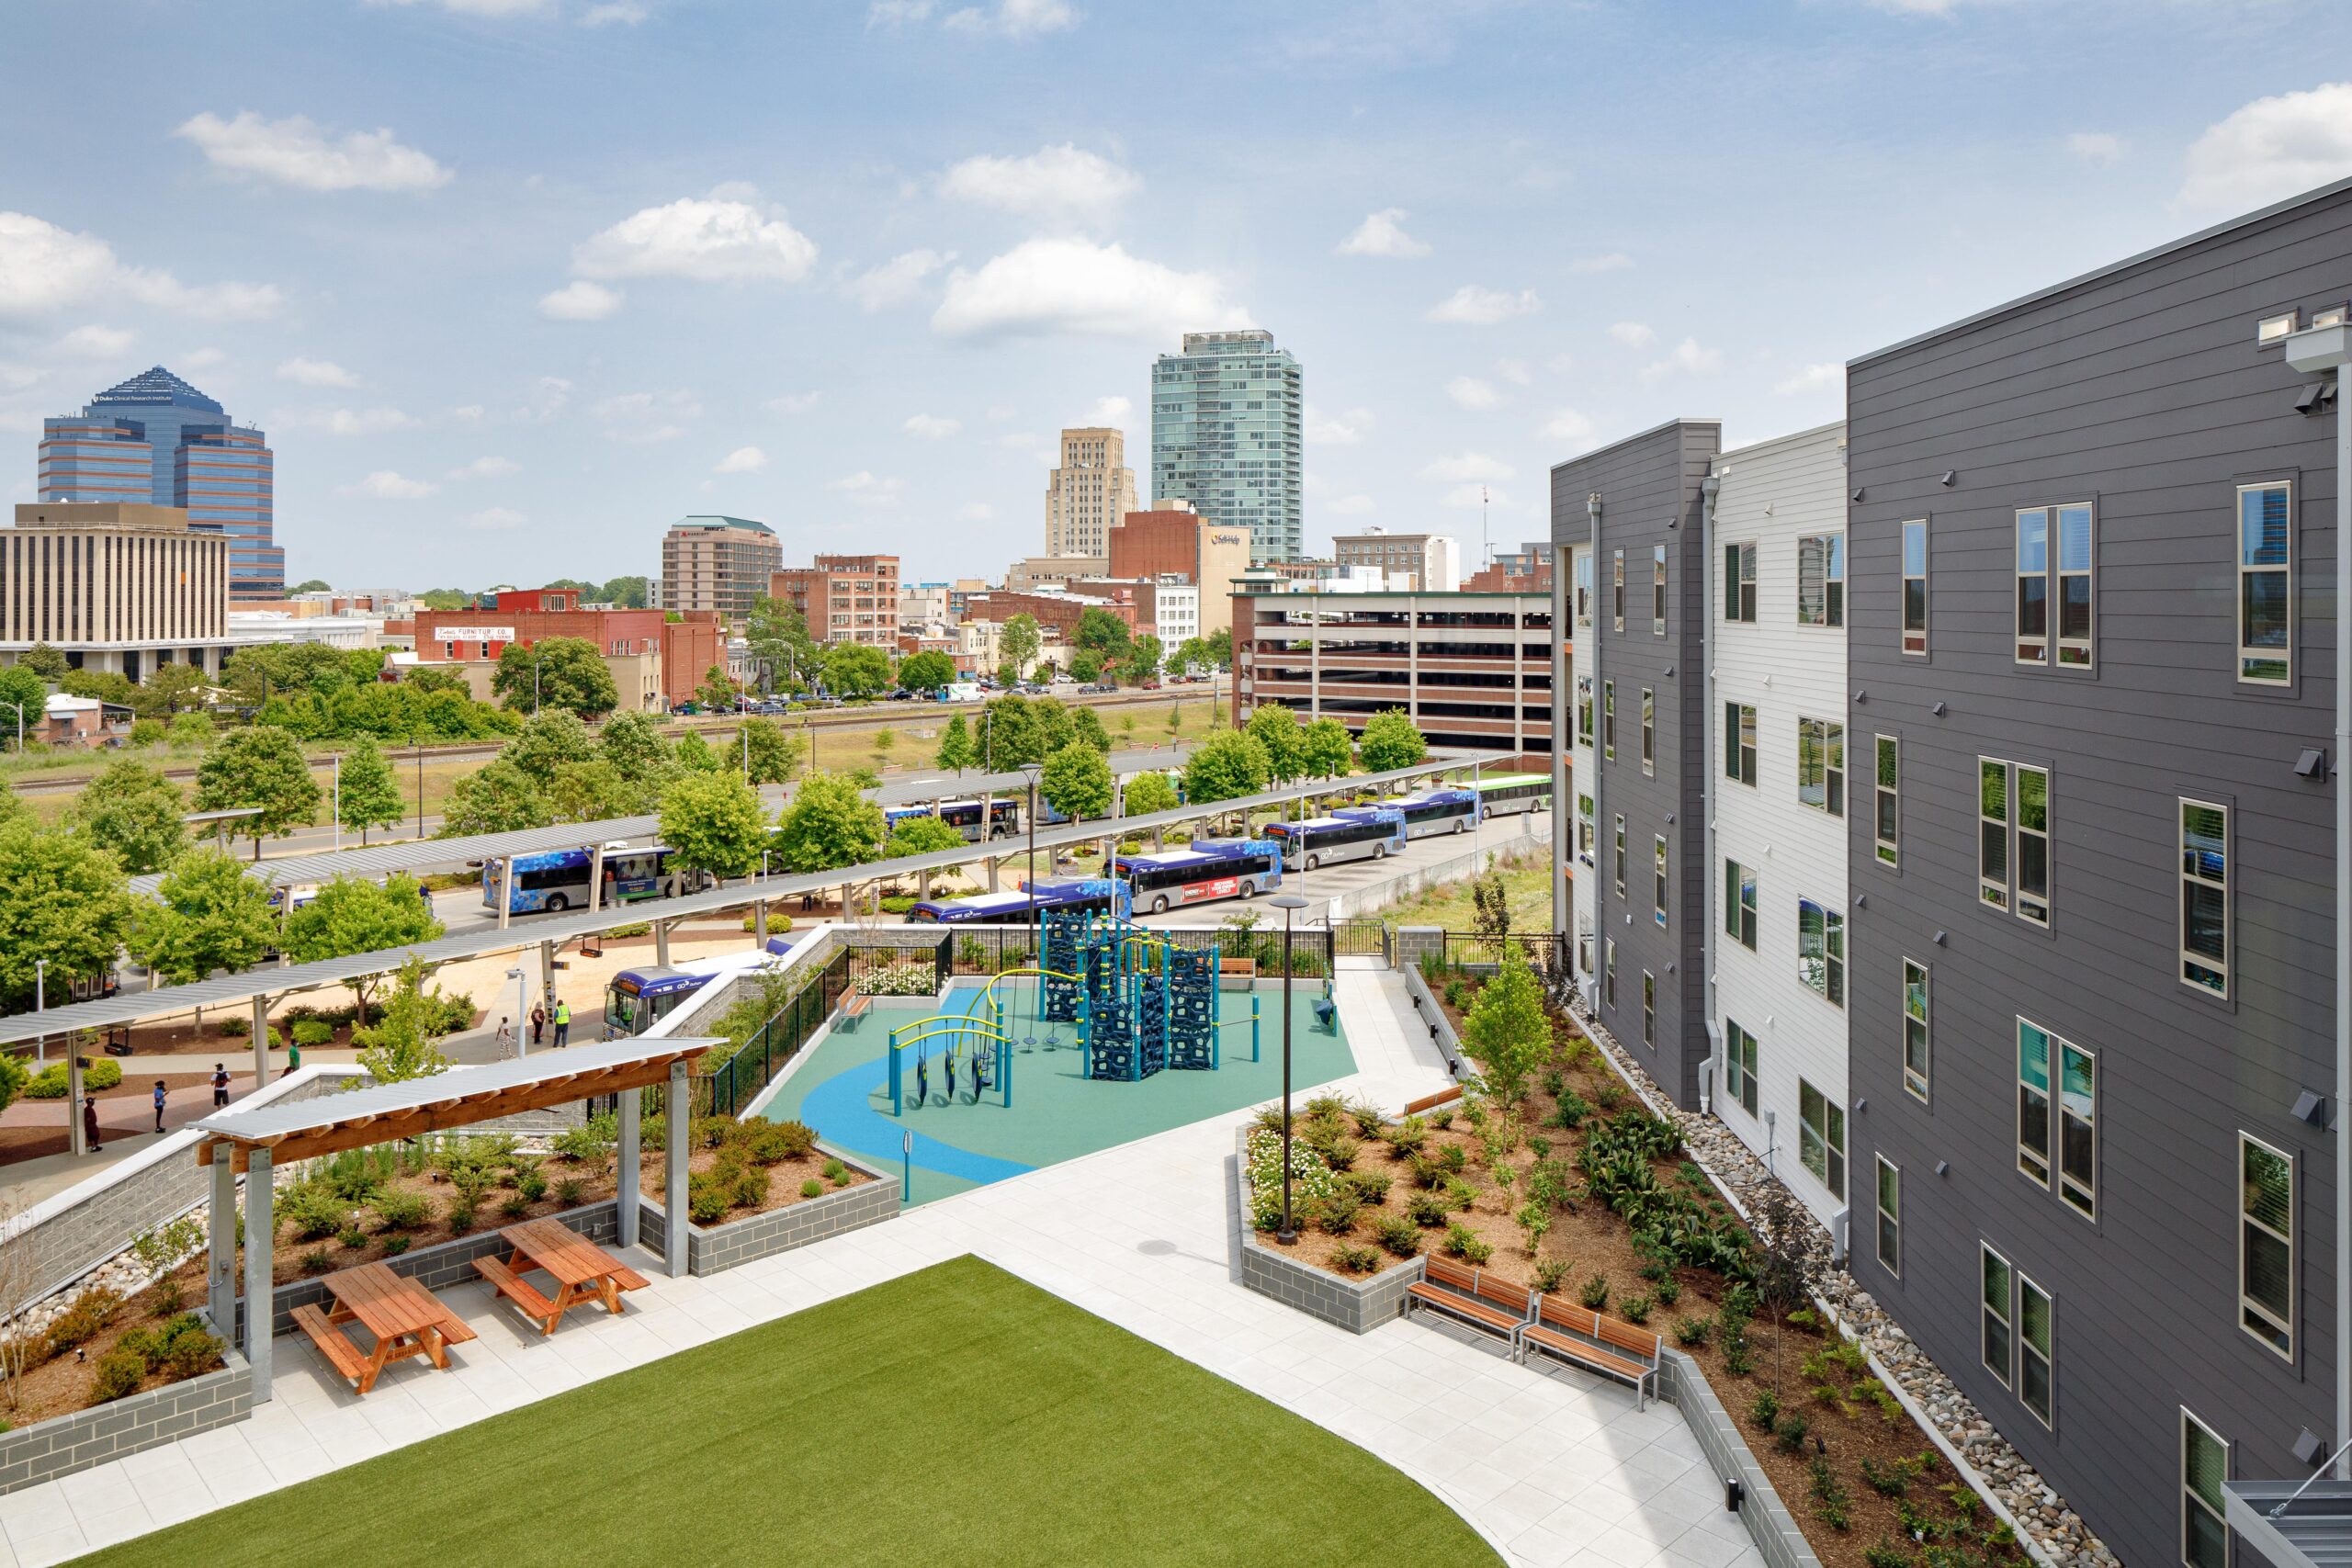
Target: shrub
x=1461, y=1194
x=1887, y=1480
x=707, y=1200
x=1462, y=1242
x=311, y=1032
x=49, y=1083
x=514, y=1205
x=120, y=1371
x=1668, y=1291
x=1550, y=1273
x=811, y=1188
x=751, y=1187
x=532, y=1186
x=1740, y=1360
x=569, y=1191
x=1357, y=1259
x=1635, y=1308
x=167, y=1295
x=1407, y=1136
x=837, y=1173
x=1788, y=1434
x=191, y=1352
x=398, y=1209
x=1693, y=1331
x=236, y=1027
x=313, y=1208
x=1337, y=1213
x=1831, y=1504
x=1595, y=1293
x=316, y=1261
x=1886, y=1554
x=1890, y=1409
x=462, y=1215
x=1429, y=1208
x=771, y=1141
x=1764, y=1409
x=579, y=1144
x=351, y=1239
x=1454, y=1159
x=1442, y=1118
x=91, y=1311
x=1370, y=1119
x=1398, y=1235
x=1340, y=1153
x=1371, y=1186
x=395, y=1245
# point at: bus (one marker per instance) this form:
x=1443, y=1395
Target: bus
x=963, y=815
x=558, y=879
x=1506, y=794
x=1102, y=895
x=1427, y=812
x=1327, y=841
x=1211, y=868
x=637, y=999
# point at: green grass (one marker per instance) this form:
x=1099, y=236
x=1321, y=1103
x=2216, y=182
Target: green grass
x=955, y=1415
x=1527, y=882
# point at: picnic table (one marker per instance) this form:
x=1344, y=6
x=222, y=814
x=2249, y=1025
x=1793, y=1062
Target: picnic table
x=581, y=1270
x=406, y=1319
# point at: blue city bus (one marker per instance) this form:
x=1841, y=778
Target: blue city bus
x=1101, y=893
x=1376, y=834
x=1210, y=868
x=558, y=879
x=637, y=999
x=1428, y=811
x=963, y=815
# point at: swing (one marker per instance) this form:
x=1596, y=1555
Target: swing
x=922, y=1075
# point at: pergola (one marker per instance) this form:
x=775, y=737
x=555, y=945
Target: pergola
x=252, y=1142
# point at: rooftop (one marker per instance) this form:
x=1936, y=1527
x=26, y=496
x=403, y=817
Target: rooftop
x=152, y=388
x=718, y=521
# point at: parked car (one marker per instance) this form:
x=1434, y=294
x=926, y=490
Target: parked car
x=685, y=710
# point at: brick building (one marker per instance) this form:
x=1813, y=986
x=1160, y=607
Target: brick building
x=655, y=662
x=1171, y=540
x=844, y=598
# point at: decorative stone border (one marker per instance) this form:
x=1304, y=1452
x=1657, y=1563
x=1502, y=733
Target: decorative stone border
x=64, y=1444
x=714, y=1249
x=1769, y=1523
x=1357, y=1305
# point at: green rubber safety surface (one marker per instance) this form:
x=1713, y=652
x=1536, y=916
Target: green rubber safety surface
x=955, y=1415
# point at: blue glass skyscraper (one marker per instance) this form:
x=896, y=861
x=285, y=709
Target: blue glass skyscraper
x=1225, y=417
x=156, y=439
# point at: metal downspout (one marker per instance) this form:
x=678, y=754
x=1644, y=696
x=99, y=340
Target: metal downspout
x=1592, y=994
x=1709, y=487
x=2343, y=928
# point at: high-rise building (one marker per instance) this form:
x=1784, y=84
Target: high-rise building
x=116, y=586
x=1224, y=435
x=158, y=441
x=1089, y=492
x=714, y=563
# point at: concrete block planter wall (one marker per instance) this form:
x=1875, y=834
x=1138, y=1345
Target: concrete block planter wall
x=1357, y=1305
x=64, y=1444
x=714, y=1249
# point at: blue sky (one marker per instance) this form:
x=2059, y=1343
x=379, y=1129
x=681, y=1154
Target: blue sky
x=512, y=284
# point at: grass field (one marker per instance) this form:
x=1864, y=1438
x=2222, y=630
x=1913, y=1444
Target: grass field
x=956, y=1416
x=1527, y=882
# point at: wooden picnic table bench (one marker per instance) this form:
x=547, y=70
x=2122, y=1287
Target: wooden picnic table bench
x=406, y=1319
x=1496, y=1305
x=581, y=1270
x=1242, y=969
x=1596, y=1343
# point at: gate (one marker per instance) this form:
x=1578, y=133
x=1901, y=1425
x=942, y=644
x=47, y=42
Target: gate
x=1360, y=939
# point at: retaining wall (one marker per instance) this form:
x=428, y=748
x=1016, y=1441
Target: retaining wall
x=1432, y=1016
x=1357, y=1305
x=64, y=1444
x=714, y=1249
x=1778, y=1540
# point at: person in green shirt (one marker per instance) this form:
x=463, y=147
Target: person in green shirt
x=562, y=1023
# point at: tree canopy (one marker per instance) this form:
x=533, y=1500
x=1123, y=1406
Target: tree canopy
x=1019, y=641
x=954, y=746
x=206, y=915
x=921, y=836
x=1391, y=740
x=546, y=742
x=633, y=744
x=718, y=691
x=1226, y=766
x=1145, y=655
x=399, y=1045
x=591, y=792
x=713, y=822
x=855, y=669
x=930, y=670
x=1277, y=729
x=769, y=751
x=1077, y=781
x=778, y=637
x=627, y=593
x=262, y=766
x=557, y=673
x=23, y=695
x=63, y=900
x=358, y=913
x=1149, y=793
x=1329, y=749
x=829, y=824
x=1506, y=1031
x=1086, y=724
x=44, y=661
x=497, y=798
x=133, y=812
x=1103, y=633
x=370, y=794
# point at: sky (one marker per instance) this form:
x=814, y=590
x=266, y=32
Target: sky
x=514, y=284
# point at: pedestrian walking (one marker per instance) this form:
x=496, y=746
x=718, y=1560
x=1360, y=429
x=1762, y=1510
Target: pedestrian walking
x=506, y=1037
x=90, y=1122
x=219, y=1085
x=562, y=1022
x=159, y=1105
x=538, y=1021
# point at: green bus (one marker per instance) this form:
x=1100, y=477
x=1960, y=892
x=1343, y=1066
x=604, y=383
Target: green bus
x=1501, y=795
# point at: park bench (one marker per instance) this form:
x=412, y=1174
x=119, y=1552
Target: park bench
x=854, y=1009
x=1430, y=1103
x=1244, y=970
x=1585, y=1339
x=345, y=1358
x=1476, y=1297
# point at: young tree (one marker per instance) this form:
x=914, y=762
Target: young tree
x=771, y=752
x=1103, y=633
x=1507, y=1032
x=498, y=797
x=1150, y=793
x=1327, y=750
x=829, y=824
x=356, y=914
x=632, y=743
x=265, y=767
x=564, y=672
x=1277, y=729
x=1145, y=655
x=399, y=1045
x=1783, y=1261
x=371, y=795
x=44, y=661
x=63, y=900
x=208, y=915
x=545, y=744
x=778, y=637
x=1086, y=726
x=930, y=670
x=1056, y=729
x=855, y=670
x=24, y=700
x=1226, y=766
x=713, y=823
x=718, y=691
x=192, y=731
x=169, y=688
x=954, y=746
x=591, y=792
x=1018, y=643
x=1390, y=740
x=1077, y=781
x=694, y=754
x=1219, y=645
x=1009, y=735
x=921, y=836
x=133, y=812
x=1085, y=665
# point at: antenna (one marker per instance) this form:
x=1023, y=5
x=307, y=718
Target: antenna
x=1485, y=544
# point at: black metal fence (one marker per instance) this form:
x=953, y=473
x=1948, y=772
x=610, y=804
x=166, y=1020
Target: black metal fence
x=1360, y=939
x=988, y=950
x=1546, y=952
x=738, y=1080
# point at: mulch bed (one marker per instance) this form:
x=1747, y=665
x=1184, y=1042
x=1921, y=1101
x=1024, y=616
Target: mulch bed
x=62, y=1384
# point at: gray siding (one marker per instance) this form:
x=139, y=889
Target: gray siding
x=2141, y=390
x=1649, y=489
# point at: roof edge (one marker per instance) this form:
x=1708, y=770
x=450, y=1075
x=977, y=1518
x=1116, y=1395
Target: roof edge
x=1639, y=436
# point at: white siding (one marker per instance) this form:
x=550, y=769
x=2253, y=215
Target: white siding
x=1772, y=494
x=1582, y=772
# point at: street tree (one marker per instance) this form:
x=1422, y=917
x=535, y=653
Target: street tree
x=1150, y=793
x=370, y=794
x=829, y=824
x=767, y=750
x=1019, y=641
x=1277, y=729
x=206, y=915
x=263, y=767
x=1226, y=766
x=359, y=914
x=855, y=669
x=63, y=900
x=1191, y=653
x=633, y=744
x=694, y=754
x=1056, y=728
x=921, y=836
x=1086, y=665
x=954, y=746
x=1328, y=750
x=718, y=691
x=1009, y=735
x=399, y=1044
x=132, y=812
x=1391, y=740
x=1145, y=655
x=1086, y=724
x=497, y=798
x=565, y=672
x=545, y=744
x=1219, y=645
x=591, y=792
x=192, y=731
x=777, y=636
x=1107, y=635
x=1077, y=781
x=713, y=822
x=24, y=700
x=44, y=661
x=170, y=688
x=930, y=670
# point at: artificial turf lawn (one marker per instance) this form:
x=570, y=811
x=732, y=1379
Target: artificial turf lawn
x=955, y=1415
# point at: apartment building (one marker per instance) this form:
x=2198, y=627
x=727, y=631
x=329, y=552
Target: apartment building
x=716, y=563
x=1473, y=670
x=1418, y=563
x=1089, y=492
x=844, y=598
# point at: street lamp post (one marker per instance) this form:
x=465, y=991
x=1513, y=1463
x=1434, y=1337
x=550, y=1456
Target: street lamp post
x=1030, y=771
x=338, y=802
x=522, y=1035
x=1289, y=904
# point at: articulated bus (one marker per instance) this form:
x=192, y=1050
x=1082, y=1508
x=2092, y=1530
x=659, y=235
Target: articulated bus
x=1505, y=795
x=1327, y=841
x=963, y=815
x=1427, y=812
x=558, y=880
x=1102, y=895
x=1211, y=868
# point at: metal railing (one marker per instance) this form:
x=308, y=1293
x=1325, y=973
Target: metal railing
x=1545, y=951
x=736, y=1081
x=988, y=949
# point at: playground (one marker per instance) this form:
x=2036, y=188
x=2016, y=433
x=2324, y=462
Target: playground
x=1004, y=1074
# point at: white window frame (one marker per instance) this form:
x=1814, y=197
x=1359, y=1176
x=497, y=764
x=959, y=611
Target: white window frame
x=1584, y=944
x=1739, y=743
x=1618, y=590
x=2254, y=1317
x=1915, y=638
x=1832, y=958
x=2195, y=877
x=1649, y=1009
x=1657, y=590
x=2034, y=1162
x=1618, y=845
x=2031, y=648
x=2028, y=1353
x=2031, y=905
x=2006, y=1316
x=1822, y=1149
x=1829, y=736
x=2077, y=1190
x=2006, y=888
x=1740, y=903
x=2051, y=648
x=1609, y=721
x=1608, y=972
x=1658, y=879
x=1581, y=560
x=2191, y=1501
x=1740, y=1086
x=1889, y=1220
x=1822, y=558
x=1886, y=779
x=1586, y=832
x=2250, y=658
x=1649, y=732
x=1739, y=584
x=1918, y=1029
x=1992, y=833
x=1585, y=735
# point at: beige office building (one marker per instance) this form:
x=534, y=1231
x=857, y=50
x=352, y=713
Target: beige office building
x=719, y=564
x=114, y=586
x=1089, y=493
x=1415, y=563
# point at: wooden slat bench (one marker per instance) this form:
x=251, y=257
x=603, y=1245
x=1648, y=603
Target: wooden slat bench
x=346, y=1358
x=1476, y=1297
x=1585, y=1339
x=1245, y=970
x=853, y=1008
x=521, y=1292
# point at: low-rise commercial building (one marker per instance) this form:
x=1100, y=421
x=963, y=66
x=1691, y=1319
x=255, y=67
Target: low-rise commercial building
x=117, y=586
x=1416, y=563
x=851, y=599
x=655, y=662
x=1171, y=540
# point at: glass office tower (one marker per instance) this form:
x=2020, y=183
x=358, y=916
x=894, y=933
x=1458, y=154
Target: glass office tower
x=1225, y=436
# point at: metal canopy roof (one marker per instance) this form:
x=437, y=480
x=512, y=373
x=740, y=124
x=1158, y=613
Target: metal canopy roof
x=2313, y=1531
x=228, y=989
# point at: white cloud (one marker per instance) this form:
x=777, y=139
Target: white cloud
x=1047, y=286
x=492, y=468
x=2271, y=149
x=931, y=427
x=580, y=300
x=1469, y=393
x=897, y=280
x=1051, y=180
x=1609, y=261
x=95, y=342
x=636, y=406
x=315, y=373
x=1817, y=377
x=897, y=13
x=350, y=421
x=549, y=396
x=1349, y=505
x=1015, y=19
x=1633, y=334
x=1685, y=356
x=1466, y=498
x=861, y=488
x=976, y=512
x=792, y=403
x=385, y=485
x=1515, y=371
x=706, y=238
x=1345, y=429
x=742, y=460
x=200, y=359
x=1036, y=447
x=44, y=268
x=1567, y=428
x=468, y=414
x=497, y=519
x=1111, y=411
x=294, y=152
x=1471, y=305
x=1382, y=234
x=1467, y=466
x=2095, y=146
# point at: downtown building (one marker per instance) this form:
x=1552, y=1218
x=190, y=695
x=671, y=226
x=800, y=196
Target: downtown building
x=844, y=598
x=1226, y=421
x=116, y=586
x=155, y=440
x=655, y=662
x=1089, y=493
x=716, y=564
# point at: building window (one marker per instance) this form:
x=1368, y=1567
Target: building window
x=1915, y=586
x=1649, y=1009
x=1739, y=1067
x=1821, y=950
x=1649, y=733
x=1584, y=830
x=1889, y=1216
x=1914, y=1029
x=1658, y=879
x=1739, y=583
x=1997, y=1314
x=1821, y=580
x=1890, y=800
x=2054, y=575
x=1608, y=972
x=2078, y=1129
x=1821, y=764
x=1657, y=590
x=2033, y=1101
x=2266, y=1244
x=2266, y=584
x=1584, y=588
x=1821, y=1137
x=1739, y=742
x=1609, y=721
x=2014, y=796
x=1739, y=904
x=1617, y=591
x=1619, y=869
x=2034, y=1348
x=2204, y=1466
x=1584, y=710
x=1584, y=944
x=2205, y=896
